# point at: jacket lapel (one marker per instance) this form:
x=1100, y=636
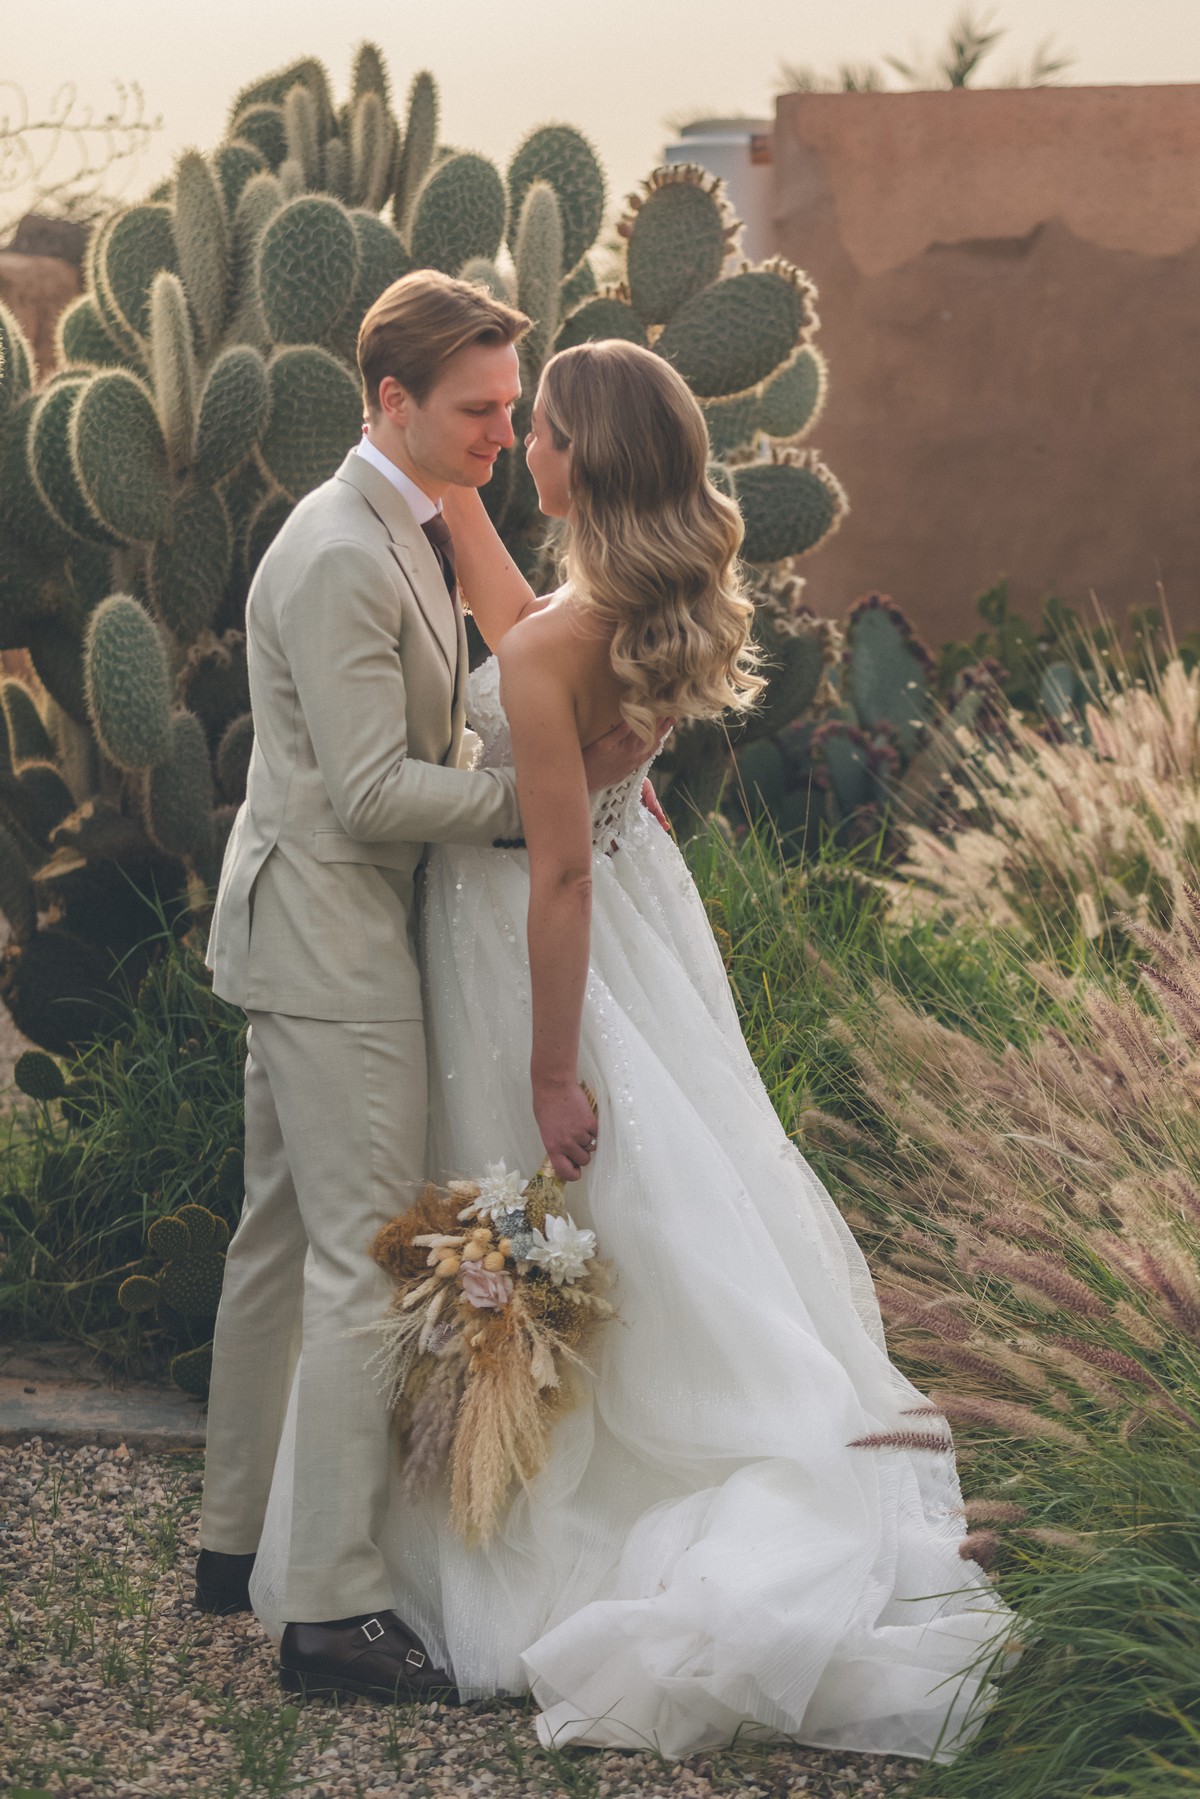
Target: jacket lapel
x=412, y=551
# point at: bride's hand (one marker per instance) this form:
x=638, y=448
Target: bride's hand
x=618, y=753
x=567, y=1122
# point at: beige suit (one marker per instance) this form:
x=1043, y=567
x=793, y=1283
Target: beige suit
x=358, y=665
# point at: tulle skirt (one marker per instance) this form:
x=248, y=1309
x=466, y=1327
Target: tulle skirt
x=705, y=1549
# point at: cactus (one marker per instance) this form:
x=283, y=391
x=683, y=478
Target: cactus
x=563, y=157
x=232, y=412
x=173, y=366
x=80, y=337
x=887, y=671
x=17, y=902
x=233, y=757
x=38, y=1075
x=734, y=334
x=119, y=456
x=184, y=1290
x=789, y=504
x=54, y=470
x=539, y=262
x=179, y=793
x=129, y=254
x=128, y=686
x=316, y=410
x=676, y=240
x=459, y=213
x=57, y=990
x=187, y=576
x=307, y=268
x=202, y=241
x=417, y=151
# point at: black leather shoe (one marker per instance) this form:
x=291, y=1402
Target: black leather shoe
x=223, y=1582
x=375, y=1654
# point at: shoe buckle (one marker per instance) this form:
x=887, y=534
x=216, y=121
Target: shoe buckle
x=414, y=1659
x=372, y=1630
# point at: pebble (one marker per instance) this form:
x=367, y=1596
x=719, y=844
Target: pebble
x=116, y=1688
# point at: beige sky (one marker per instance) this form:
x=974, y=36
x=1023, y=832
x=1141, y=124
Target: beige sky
x=616, y=68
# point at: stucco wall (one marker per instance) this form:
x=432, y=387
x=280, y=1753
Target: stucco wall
x=1010, y=302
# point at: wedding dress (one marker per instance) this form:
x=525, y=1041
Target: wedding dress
x=704, y=1548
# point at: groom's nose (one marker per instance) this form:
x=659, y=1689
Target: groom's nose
x=501, y=431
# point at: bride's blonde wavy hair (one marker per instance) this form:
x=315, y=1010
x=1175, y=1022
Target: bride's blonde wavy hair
x=651, y=545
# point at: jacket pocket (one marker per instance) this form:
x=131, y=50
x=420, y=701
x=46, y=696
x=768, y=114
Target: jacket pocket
x=335, y=846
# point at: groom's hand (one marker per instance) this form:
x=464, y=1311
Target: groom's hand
x=616, y=755
x=567, y=1121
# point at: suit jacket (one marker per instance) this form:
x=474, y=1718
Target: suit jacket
x=358, y=664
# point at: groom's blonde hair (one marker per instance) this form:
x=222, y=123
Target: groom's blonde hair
x=421, y=321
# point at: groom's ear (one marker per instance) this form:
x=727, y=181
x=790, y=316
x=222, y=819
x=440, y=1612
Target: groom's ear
x=394, y=401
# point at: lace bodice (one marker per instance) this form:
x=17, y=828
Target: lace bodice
x=618, y=815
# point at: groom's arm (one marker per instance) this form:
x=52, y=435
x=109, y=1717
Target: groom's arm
x=338, y=627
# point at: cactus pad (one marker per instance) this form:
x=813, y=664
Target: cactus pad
x=316, y=413
x=678, y=233
x=887, y=670
x=233, y=757
x=202, y=241
x=16, y=360
x=55, y=987
x=791, y=401
x=139, y=243
x=307, y=269
x=460, y=212
x=788, y=505
x=128, y=687
x=234, y=164
x=734, y=334
x=173, y=366
x=120, y=456
x=179, y=793
x=605, y=315
x=38, y=1075
x=233, y=411
x=418, y=148
x=539, y=260
x=262, y=128
x=43, y=797
x=28, y=738
x=80, y=336
x=732, y=424
x=55, y=472
x=187, y=576
x=562, y=156
x=191, y=1370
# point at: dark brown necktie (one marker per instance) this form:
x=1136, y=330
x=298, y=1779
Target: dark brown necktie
x=442, y=544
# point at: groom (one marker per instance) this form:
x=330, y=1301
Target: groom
x=358, y=661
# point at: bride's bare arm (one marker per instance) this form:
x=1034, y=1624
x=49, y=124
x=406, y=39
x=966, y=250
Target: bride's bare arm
x=553, y=793
x=493, y=587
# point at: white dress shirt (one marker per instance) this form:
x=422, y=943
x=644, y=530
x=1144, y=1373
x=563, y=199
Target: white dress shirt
x=423, y=508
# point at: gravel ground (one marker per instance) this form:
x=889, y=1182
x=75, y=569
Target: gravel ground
x=116, y=1686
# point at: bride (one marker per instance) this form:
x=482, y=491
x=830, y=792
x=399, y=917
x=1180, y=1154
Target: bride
x=707, y=1546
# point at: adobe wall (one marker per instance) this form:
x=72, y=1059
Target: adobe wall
x=1010, y=304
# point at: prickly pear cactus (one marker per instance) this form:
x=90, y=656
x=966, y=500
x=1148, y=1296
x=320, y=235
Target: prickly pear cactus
x=183, y=1291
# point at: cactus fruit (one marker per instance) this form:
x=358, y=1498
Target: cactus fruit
x=562, y=156
x=56, y=989
x=307, y=267
x=187, y=576
x=54, y=470
x=316, y=414
x=418, y=149
x=460, y=212
x=179, y=793
x=792, y=400
x=233, y=757
x=173, y=366
x=732, y=335
x=120, y=456
x=28, y=738
x=39, y=1076
x=133, y=248
x=539, y=262
x=80, y=337
x=887, y=671
x=607, y=314
x=677, y=235
x=17, y=903
x=128, y=686
x=788, y=504
x=232, y=413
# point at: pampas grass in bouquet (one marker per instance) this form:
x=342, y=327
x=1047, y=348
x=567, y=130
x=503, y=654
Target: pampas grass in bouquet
x=498, y=1292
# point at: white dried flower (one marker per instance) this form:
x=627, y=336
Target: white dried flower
x=563, y=1250
x=499, y=1191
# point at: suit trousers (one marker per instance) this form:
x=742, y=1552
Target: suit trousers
x=335, y=1147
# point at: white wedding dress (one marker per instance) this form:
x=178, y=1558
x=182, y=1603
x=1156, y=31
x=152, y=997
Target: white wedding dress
x=704, y=1549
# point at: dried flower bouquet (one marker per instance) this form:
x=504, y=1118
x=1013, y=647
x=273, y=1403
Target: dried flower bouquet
x=497, y=1293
